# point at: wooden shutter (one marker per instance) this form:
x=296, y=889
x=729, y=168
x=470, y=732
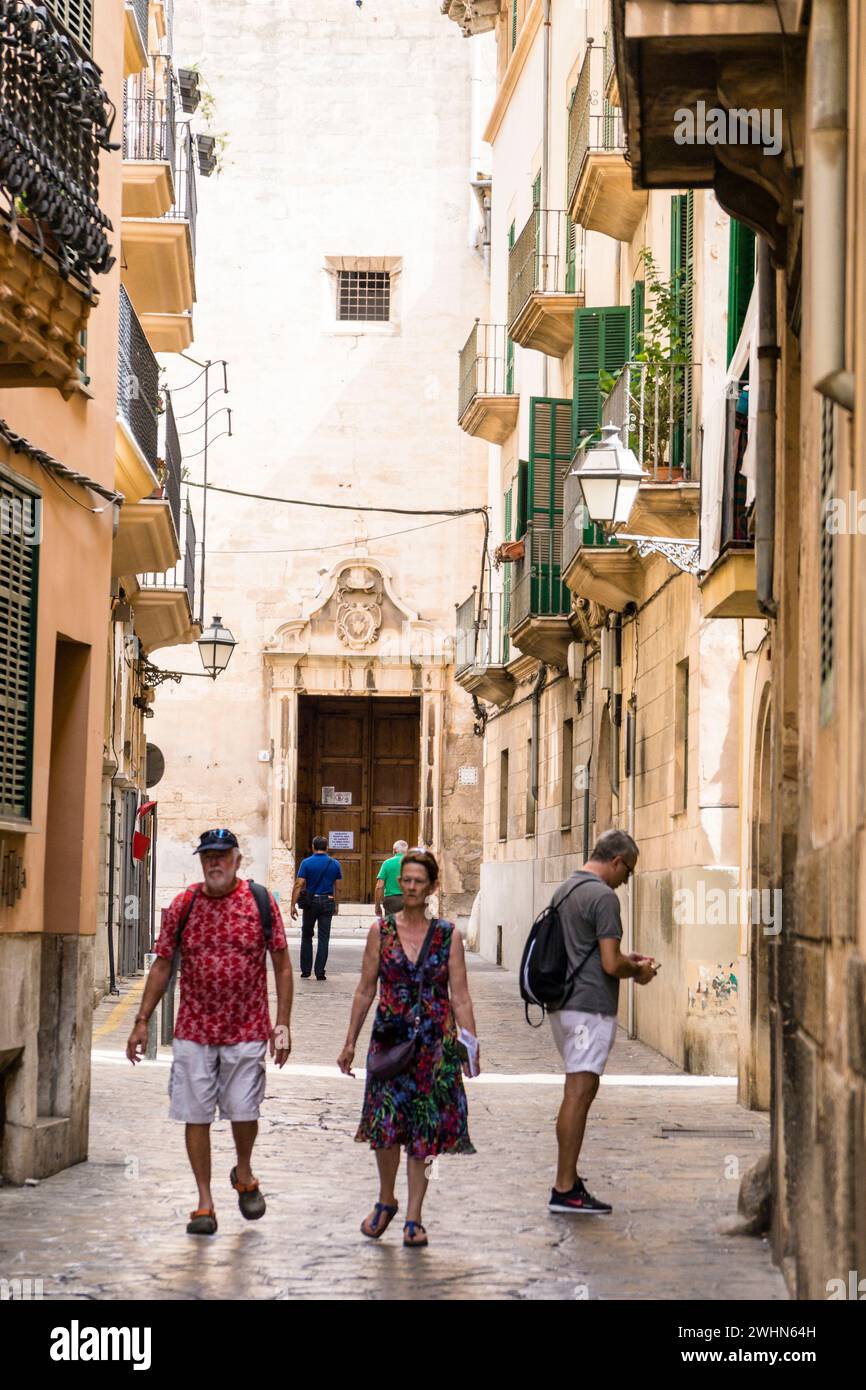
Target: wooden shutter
x=682, y=266
x=550, y=453
x=18, y=580
x=506, y=582
x=77, y=17
x=637, y=318
x=522, y=518
x=509, y=342
x=741, y=278
x=601, y=340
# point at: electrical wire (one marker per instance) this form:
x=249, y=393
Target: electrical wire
x=343, y=506
x=338, y=545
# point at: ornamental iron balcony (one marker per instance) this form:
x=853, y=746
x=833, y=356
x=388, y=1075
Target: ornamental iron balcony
x=149, y=125
x=652, y=406
x=546, y=281
x=600, y=193
x=487, y=404
x=481, y=648
x=181, y=575
x=137, y=382
x=185, y=206
x=56, y=118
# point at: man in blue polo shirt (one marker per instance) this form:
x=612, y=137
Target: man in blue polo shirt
x=316, y=879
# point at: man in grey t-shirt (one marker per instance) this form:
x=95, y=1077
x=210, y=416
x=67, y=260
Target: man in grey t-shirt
x=584, y=1028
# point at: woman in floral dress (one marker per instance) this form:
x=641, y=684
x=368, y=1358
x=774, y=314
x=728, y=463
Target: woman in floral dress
x=423, y=1108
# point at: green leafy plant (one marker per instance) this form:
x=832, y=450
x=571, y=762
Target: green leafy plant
x=664, y=347
x=207, y=109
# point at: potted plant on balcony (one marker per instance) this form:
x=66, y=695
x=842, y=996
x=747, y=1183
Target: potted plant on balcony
x=37, y=228
x=188, y=80
x=663, y=347
x=509, y=551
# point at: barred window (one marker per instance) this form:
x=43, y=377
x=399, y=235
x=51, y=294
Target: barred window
x=364, y=295
x=77, y=16
x=19, y=551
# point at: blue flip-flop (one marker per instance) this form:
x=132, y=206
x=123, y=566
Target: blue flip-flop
x=380, y=1226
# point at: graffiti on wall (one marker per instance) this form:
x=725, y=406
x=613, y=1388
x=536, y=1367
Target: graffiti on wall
x=712, y=987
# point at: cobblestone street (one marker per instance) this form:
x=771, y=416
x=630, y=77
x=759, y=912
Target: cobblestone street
x=114, y=1227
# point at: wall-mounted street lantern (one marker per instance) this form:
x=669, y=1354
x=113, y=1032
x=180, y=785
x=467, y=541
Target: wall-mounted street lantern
x=216, y=645
x=610, y=476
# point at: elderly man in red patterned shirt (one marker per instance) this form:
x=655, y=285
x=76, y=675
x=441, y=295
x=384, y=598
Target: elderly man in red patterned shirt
x=226, y=926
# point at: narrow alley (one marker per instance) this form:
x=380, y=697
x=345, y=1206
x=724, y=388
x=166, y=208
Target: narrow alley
x=666, y=1149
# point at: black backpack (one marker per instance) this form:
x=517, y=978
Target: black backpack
x=263, y=903
x=545, y=980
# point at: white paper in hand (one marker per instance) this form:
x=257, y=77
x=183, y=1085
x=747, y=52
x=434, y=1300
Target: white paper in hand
x=470, y=1042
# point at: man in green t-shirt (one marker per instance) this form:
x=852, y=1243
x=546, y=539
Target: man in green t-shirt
x=387, y=896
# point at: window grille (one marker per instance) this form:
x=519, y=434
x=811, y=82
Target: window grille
x=364, y=295
x=18, y=573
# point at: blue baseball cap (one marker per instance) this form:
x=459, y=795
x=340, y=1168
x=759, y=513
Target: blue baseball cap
x=216, y=839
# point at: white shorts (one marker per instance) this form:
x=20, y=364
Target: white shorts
x=584, y=1040
x=202, y=1076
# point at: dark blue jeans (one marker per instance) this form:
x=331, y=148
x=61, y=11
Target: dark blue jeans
x=319, y=915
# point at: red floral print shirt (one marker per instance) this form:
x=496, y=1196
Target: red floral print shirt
x=223, y=972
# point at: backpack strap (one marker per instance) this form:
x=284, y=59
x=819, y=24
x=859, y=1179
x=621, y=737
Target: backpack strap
x=263, y=903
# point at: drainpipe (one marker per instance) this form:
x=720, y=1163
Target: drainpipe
x=827, y=173
x=765, y=437
x=545, y=151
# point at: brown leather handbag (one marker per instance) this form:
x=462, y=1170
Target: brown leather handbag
x=393, y=1061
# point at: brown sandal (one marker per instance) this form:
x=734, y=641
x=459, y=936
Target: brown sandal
x=202, y=1222
x=377, y=1225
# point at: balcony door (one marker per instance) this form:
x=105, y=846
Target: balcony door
x=358, y=782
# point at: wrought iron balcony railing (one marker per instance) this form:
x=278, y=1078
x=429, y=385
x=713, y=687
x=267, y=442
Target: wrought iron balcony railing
x=577, y=530
x=537, y=590
x=137, y=381
x=149, y=125
x=484, y=366
x=56, y=117
x=181, y=575
x=172, y=461
x=594, y=125
x=546, y=258
x=734, y=532
x=479, y=643
x=652, y=406
x=185, y=206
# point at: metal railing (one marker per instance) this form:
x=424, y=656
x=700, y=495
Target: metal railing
x=172, y=461
x=56, y=117
x=481, y=645
x=185, y=206
x=537, y=590
x=137, y=381
x=608, y=53
x=181, y=575
x=547, y=258
x=483, y=364
x=149, y=125
x=652, y=406
x=140, y=10
x=577, y=530
x=734, y=532
x=594, y=125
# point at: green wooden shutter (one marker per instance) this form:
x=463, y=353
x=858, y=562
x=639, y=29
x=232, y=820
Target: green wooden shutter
x=19, y=565
x=509, y=342
x=637, y=319
x=513, y=24
x=570, y=257
x=741, y=279
x=536, y=190
x=601, y=340
x=506, y=582
x=550, y=452
x=522, y=518
x=682, y=266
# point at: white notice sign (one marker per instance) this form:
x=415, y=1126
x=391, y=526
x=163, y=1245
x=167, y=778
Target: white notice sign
x=341, y=839
x=331, y=797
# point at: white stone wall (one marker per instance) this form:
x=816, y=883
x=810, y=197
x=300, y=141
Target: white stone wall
x=349, y=134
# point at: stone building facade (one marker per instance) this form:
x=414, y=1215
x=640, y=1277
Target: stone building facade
x=338, y=250
x=795, y=576
x=606, y=696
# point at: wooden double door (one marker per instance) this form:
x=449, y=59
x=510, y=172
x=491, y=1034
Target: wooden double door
x=358, y=782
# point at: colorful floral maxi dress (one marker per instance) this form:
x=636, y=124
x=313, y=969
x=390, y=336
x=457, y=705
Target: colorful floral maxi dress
x=425, y=1108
